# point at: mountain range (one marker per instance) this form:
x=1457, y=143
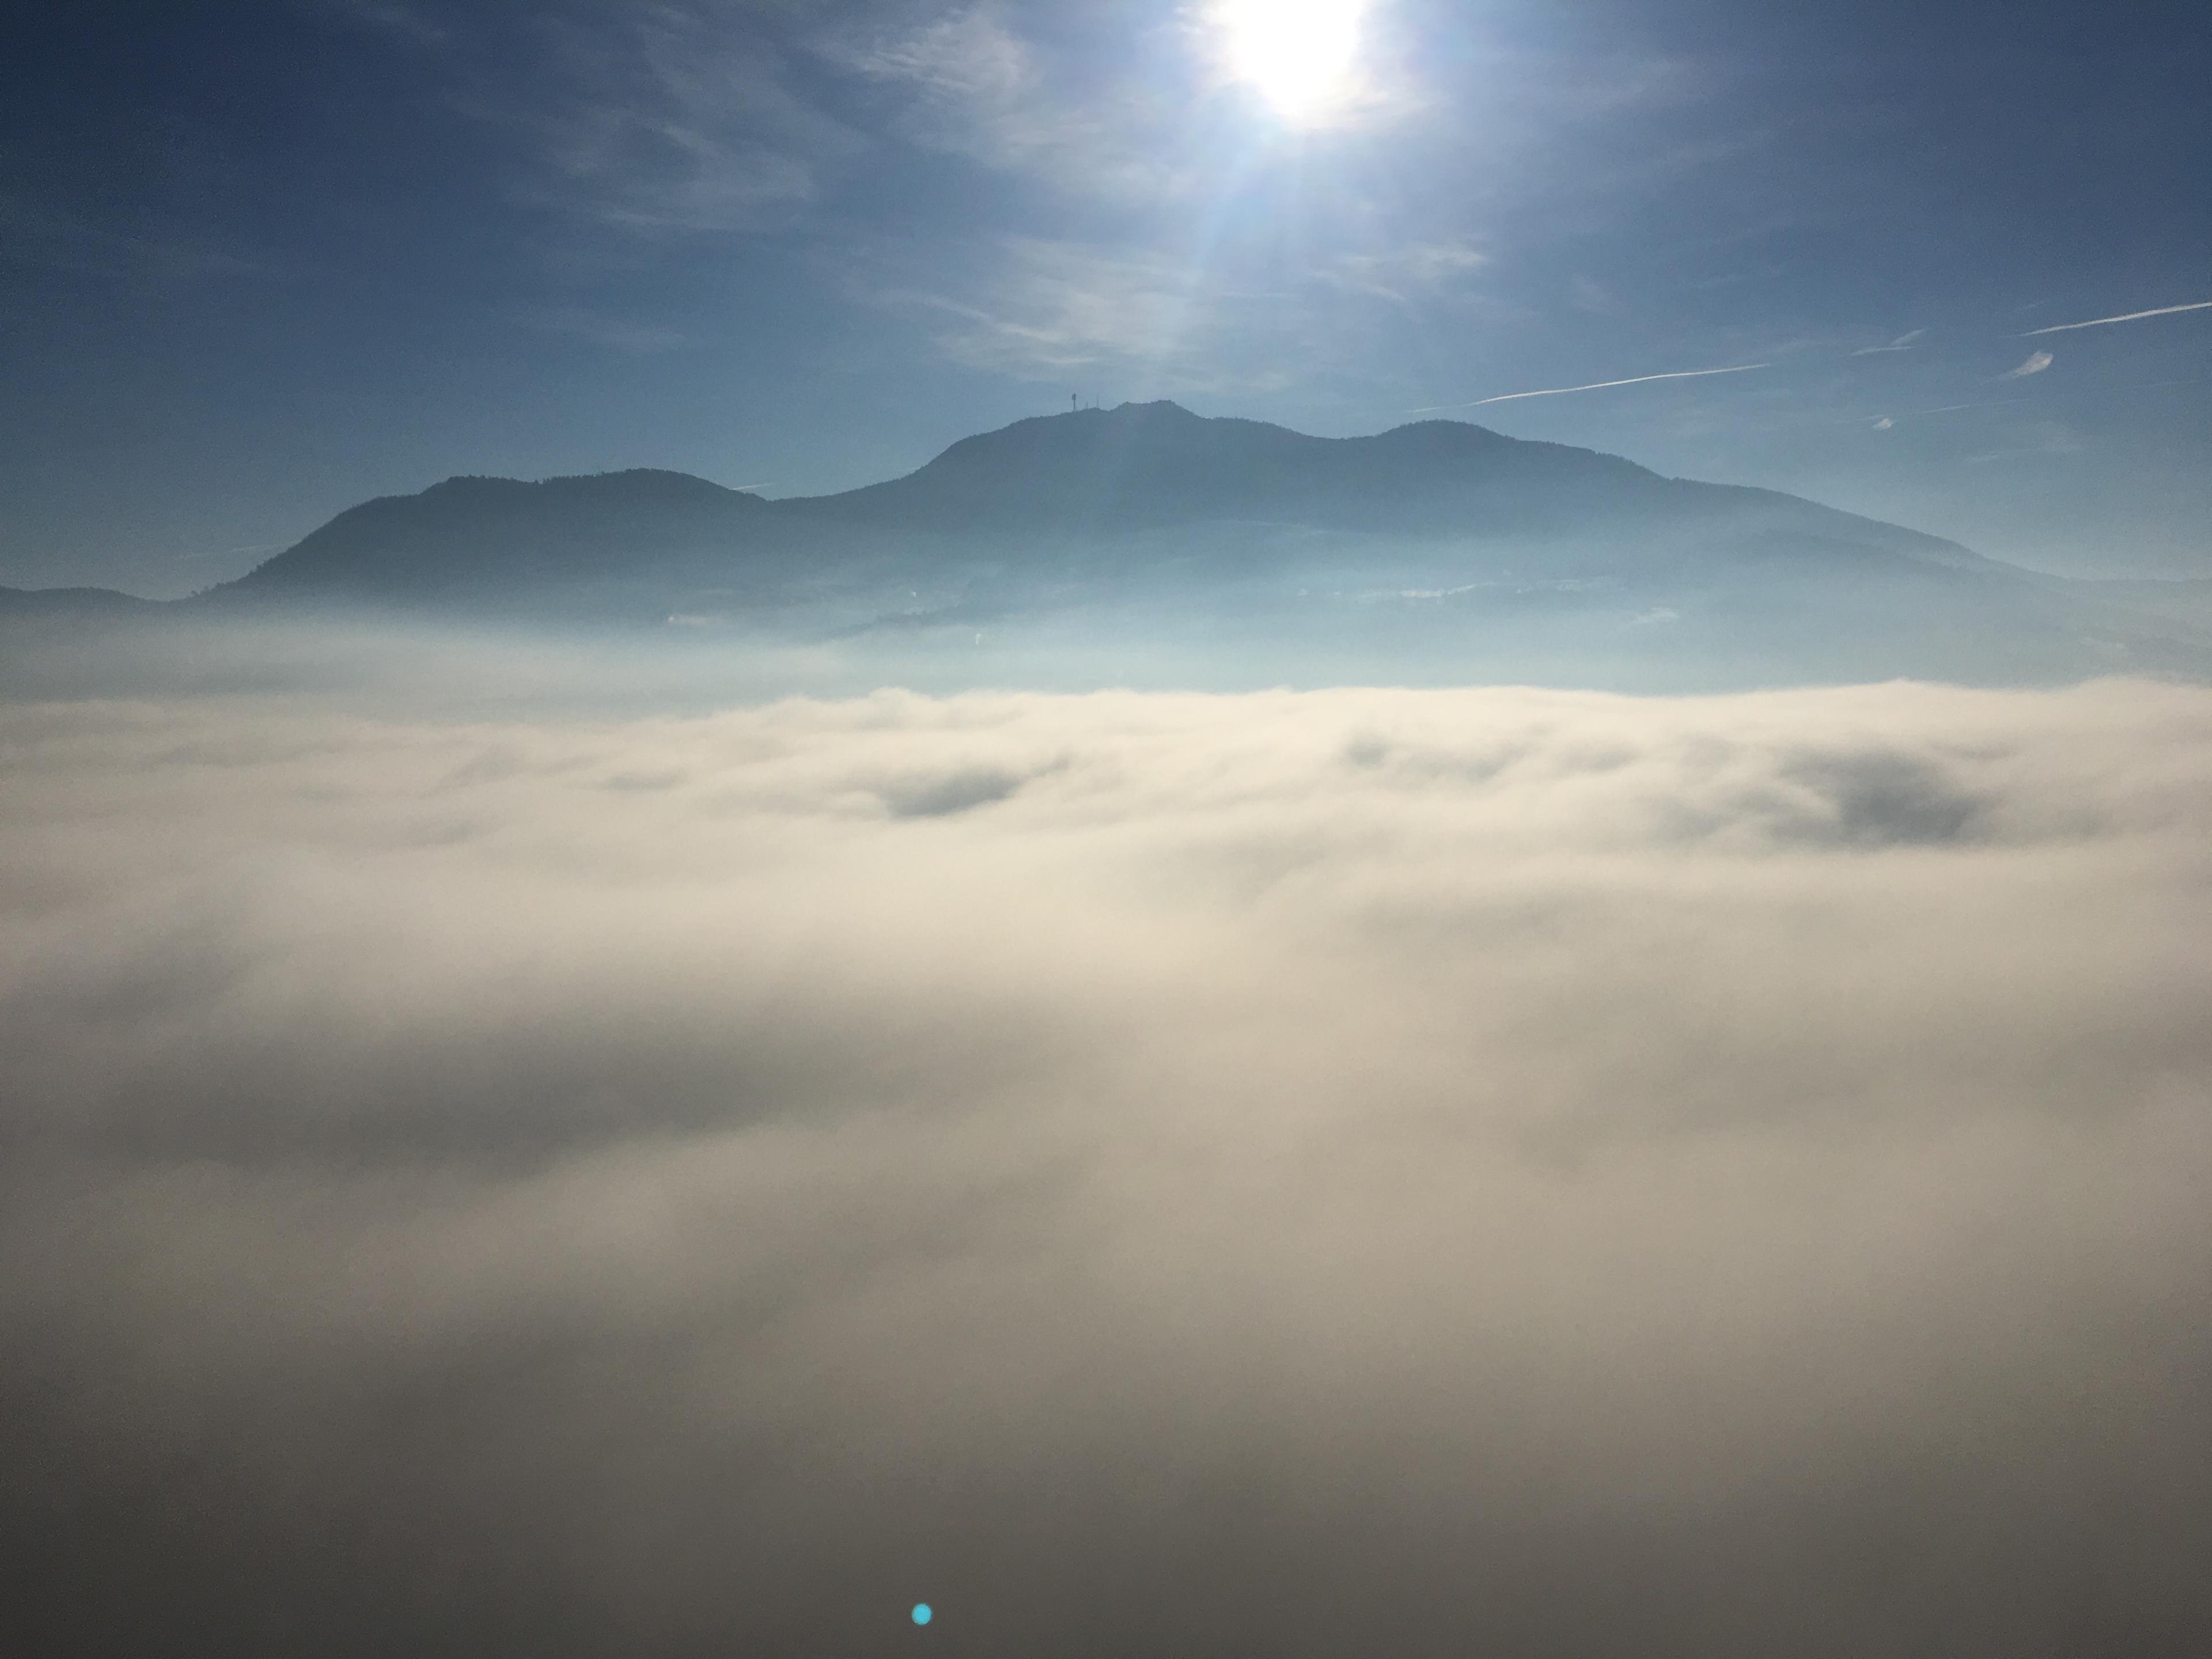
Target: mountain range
x=1439, y=550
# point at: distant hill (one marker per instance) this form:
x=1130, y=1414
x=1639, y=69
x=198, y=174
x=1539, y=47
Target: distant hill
x=1223, y=549
x=72, y=602
x=477, y=537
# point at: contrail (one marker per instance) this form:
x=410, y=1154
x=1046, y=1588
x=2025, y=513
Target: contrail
x=2132, y=317
x=1595, y=386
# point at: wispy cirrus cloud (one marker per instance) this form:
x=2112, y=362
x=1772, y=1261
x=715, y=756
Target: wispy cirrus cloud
x=2036, y=363
x=654, y=120
x=2130, y=317
x=1415, y=272
x=392, y=18
x=1153, y=320
x=678, y=123
x=598, y=328
x=1902, y=343
x=968, y=84
x=1043, y=309
x=2039, y=439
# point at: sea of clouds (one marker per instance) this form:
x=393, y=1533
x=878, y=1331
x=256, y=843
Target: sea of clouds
x=1352, y=1172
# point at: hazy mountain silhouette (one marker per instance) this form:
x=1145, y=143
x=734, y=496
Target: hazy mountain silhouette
x=1434, y=551
x=75, y=603
x=1146, y=467
x=467, y=535
x=1151, y=481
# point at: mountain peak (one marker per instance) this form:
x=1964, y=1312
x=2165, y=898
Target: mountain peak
x=629, y=485
x=1145, y=465
x=1159, y=409
x=468, y=530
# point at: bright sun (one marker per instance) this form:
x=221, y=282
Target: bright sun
x=1298, y=53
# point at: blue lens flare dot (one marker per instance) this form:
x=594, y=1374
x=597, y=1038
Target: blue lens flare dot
x=923, y=1615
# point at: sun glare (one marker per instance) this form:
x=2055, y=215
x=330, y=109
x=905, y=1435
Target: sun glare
x=1296, y=53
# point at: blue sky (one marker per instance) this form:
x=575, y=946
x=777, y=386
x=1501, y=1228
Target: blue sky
x=263, y=260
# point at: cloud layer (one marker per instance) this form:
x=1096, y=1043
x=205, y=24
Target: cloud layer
x=1358, y=1171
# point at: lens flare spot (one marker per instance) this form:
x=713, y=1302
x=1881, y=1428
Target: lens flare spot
x=922, y=1614
x=1298, y=54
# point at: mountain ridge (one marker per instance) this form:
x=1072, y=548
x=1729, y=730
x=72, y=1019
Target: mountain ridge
x=1136, y=468
x=1434, y=549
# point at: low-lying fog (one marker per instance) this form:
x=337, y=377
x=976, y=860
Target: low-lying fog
x=1354, y=1172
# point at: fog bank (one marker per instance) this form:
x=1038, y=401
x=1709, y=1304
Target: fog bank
x=1409, y=1172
